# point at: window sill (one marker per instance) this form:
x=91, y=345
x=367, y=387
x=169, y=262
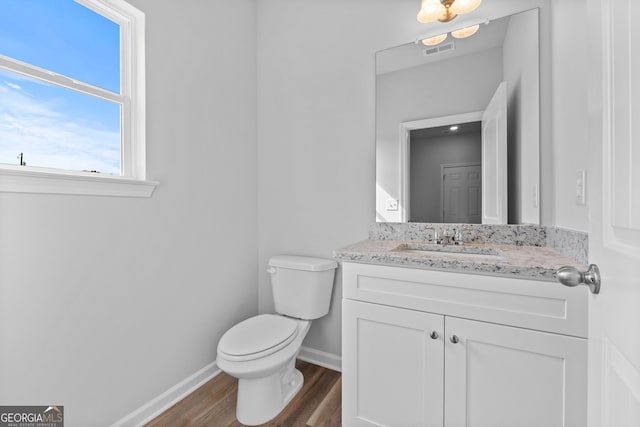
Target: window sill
x=26, y=179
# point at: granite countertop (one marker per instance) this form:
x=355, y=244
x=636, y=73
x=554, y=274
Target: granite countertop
x=527, y=262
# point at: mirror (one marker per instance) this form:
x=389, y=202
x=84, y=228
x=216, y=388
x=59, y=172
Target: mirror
x=424, y=92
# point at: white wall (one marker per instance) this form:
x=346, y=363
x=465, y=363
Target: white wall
x=315, y=142
x=107, y=302
x=570, y=120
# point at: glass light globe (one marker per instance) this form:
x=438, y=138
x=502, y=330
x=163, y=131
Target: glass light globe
x=423, y=18
x=432, y=41
x=430, y=11
x=464, y=6
x=465, y=32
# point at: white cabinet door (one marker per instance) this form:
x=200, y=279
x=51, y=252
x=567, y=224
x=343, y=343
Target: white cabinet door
x=392, y=369
x=504, y=376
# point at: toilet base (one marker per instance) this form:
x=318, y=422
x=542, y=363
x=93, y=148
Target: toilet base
x=262, y=399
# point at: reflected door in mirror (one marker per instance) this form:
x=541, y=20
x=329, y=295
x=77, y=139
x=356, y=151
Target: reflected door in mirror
x=461, y=192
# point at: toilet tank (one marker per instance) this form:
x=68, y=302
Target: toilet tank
x=302, y=285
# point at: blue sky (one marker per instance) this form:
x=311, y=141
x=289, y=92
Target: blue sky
x=56, y=127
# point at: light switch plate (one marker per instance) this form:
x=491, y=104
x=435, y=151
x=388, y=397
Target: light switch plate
x=581, y=186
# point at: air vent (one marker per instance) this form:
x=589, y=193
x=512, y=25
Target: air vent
x=439, y=49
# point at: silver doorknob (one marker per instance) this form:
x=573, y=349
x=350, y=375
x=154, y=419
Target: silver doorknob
x=454, y=339
x=433, y=335
x=570, y=276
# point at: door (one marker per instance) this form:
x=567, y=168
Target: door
x=392, y=368
x=505, y=376
x=494, y=159
x=461, y=194
x=614, y=213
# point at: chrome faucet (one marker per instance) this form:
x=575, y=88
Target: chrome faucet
x=452, y=237
x=448, y=236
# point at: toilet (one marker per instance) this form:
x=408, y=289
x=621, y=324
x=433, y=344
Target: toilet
x=261, y=351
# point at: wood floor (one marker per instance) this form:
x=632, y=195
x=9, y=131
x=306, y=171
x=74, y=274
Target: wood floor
x=318, y=404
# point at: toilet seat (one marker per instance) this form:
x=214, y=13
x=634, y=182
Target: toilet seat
x=257, y=337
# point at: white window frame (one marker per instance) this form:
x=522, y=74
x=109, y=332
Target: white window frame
x=132, y=182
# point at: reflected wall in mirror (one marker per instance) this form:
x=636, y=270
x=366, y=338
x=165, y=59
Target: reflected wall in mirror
x=422, y=91
x=445, y=174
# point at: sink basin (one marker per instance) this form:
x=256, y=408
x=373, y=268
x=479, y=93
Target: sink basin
x=449, y=250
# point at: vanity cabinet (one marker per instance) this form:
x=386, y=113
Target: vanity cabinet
x=433, y=348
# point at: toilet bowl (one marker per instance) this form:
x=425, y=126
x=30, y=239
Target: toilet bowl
x=261, y=351
x=267, y=378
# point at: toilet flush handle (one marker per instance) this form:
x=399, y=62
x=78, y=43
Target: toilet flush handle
x=271, y=270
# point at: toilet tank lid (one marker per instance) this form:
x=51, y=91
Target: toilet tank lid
x=297, y=262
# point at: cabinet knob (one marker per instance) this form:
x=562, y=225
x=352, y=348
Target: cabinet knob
x=433, y=335
x=454, y=339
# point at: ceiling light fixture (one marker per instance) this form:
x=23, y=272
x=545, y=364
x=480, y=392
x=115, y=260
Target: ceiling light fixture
x=463, y=33
x=432, y=41
x=445, y=10
x=453, y=128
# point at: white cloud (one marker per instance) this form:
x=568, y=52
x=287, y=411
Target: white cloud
x=48, y=137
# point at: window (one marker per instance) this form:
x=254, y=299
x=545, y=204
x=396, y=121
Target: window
x=72, y=114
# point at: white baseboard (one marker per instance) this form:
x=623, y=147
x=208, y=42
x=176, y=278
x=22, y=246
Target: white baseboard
x=161, y=403
x=321, y=358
